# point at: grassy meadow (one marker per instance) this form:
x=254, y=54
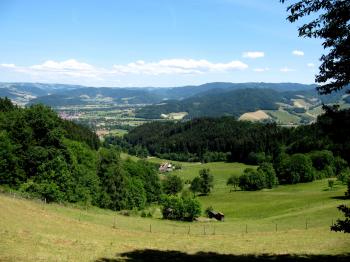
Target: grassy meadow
x=292, y=219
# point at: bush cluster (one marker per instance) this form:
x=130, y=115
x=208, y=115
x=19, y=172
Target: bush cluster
x=263, y=177
x=180, y=208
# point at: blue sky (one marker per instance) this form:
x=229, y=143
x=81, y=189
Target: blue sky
x=152, y=42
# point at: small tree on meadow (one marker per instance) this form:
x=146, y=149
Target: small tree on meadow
x=233, y=181
x=204, y=183
x=207, y=181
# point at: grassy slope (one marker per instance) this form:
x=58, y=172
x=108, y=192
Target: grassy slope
x=30, y=231
x=283, y=117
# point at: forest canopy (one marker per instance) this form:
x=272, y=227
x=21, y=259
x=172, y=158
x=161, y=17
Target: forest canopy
x=46, y=157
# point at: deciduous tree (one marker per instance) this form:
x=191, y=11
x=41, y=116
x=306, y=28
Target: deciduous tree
x=329, y=22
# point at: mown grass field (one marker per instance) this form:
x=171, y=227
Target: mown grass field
x=283, y=117
x=291, y=219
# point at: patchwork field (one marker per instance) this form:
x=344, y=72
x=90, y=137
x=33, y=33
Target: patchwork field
x=254, y=116
x=291, y=219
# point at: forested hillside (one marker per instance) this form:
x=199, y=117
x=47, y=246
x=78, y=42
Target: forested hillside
x=101, y=95
x=239, y=138
x=217, y=102
x=199, y=137
x=236, y=101
x=295, y=155
x=46, y=157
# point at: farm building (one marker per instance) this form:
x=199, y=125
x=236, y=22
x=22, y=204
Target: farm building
x=217, y=215
x=166, y=167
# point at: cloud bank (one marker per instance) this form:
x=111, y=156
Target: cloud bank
x=76, y=69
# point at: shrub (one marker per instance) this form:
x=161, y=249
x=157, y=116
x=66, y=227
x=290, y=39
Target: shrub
x=46, y=190
x=179, y=208
x=344, y=175
x=251, y=180
x=321, y=159
x=145, y=214
x=340, y=165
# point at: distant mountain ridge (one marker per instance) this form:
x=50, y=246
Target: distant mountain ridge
x=61, y=94
x=235, y=102
x=284, y=103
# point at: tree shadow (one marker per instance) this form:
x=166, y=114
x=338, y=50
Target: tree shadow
x=148, y=255
x=340, y=197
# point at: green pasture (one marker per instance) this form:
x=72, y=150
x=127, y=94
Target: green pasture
x=291, y=219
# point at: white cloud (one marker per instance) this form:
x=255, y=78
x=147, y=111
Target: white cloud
x=54, y=70
x=298, y=53
x=8, y=65
x=74, y=71
x=311, y=65
x=69, y=67
x=286, y=69
x=70, y=64
x=253, y=55
x=178, y=66
x=261, y=69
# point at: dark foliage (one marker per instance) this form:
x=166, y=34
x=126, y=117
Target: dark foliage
x=192, y=140
x=331, y=23
x=47, y=157
x=6, y=105
x=80, y=133
x=217, y=102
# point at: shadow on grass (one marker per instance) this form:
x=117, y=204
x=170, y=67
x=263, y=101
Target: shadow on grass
x=148, y=255
x=340, y=197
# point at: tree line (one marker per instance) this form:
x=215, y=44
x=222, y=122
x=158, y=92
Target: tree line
x=227, y=139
